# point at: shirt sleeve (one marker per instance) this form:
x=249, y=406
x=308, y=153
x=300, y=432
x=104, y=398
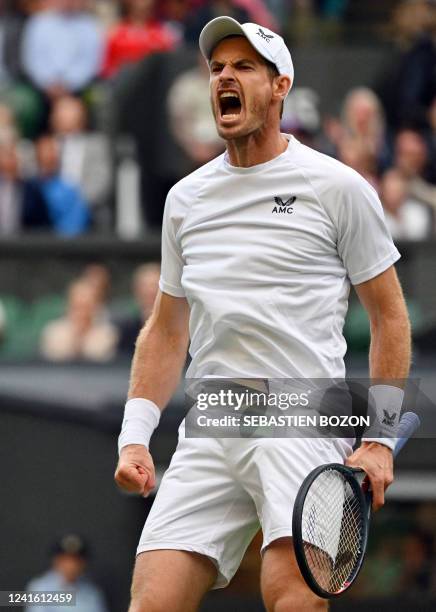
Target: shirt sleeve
x=37, y=585
x=364, y=242
x=172, y=259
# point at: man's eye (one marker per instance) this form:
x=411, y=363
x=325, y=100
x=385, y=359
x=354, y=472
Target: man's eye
x=215, y=69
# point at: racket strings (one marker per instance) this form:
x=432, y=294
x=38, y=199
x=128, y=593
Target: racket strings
x=332, y=523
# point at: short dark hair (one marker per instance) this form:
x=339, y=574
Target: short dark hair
x=70, y=544
x=273, y=72
x=272, y=68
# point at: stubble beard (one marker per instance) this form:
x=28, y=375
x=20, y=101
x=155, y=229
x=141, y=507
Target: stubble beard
x=256, y=116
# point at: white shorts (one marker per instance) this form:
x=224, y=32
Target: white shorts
x=216, y=494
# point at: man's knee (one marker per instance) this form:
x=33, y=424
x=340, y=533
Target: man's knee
x=283, y=587
x=145, y=603
x=297, y=600
x=144, y=597
x=170, y=580
x=294, y=597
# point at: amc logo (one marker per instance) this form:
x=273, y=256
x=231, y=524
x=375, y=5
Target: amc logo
x=284, y=207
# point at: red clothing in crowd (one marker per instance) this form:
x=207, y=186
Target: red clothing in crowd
x=129, y=42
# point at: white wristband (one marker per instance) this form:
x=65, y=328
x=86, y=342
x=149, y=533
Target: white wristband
x=389, y=442
x=384, y=407
x=141, y=417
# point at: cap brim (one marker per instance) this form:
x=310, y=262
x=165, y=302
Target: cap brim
x=215, y=31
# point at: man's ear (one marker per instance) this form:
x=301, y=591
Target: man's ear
x=282, y=84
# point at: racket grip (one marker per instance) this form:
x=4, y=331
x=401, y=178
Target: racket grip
x=409, y=423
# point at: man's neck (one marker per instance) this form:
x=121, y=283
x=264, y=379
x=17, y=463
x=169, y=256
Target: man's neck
x=256, y=148
x=139, y=19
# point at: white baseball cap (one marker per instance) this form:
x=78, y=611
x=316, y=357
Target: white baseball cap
x=270, y=45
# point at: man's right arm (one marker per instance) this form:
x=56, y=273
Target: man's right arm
x=161, y=351
x=157, y=365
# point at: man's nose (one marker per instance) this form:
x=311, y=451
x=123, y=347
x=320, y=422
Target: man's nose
x=227, y=73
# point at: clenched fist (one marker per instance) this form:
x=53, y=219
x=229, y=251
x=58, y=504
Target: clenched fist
x=135, y=470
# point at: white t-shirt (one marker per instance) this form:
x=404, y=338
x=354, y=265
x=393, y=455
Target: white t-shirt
x=264, y=256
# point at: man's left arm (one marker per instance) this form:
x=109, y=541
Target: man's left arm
x=389, y=360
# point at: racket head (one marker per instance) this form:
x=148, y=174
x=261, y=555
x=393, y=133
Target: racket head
x=331, y=501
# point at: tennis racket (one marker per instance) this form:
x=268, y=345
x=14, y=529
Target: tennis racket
x=330, y=521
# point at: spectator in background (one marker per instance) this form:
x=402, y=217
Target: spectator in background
x=408, y=87
x=3, y=323
x=106, y=12
x=419, y=188
x=11, y=190
x=412, y=160
x=406, y=218
x=97, y=275
x=85, y=158
x=14, y=90
x=363, y=121
x=260, y=13
x=8, y=128
x=315, y=20
x=411, y=155
x=330, y=135
x=10, y=134
x=418, y=565
x=353, y=152
x=11, y=26
x=210, y=9
x=191, y=120
x=49, y=201
x=432, y=124
x=175, y=13
x=301, y=116
x=62, y=48
x=137, y=35
x=82, y=333
x=145, y=287
x=29, y=7
x=17, y=163
x=68, y=566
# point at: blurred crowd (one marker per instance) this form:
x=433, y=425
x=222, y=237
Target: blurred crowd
x=104, y=105
x=401, y=555
x=94, y=327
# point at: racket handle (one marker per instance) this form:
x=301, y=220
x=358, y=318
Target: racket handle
x=409, y=423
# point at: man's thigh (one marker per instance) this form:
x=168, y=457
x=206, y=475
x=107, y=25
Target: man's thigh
x=170, y=580
x=272, y=471
x=201, y=508
x=283, y=587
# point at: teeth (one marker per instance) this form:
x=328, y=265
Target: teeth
x=229, y=94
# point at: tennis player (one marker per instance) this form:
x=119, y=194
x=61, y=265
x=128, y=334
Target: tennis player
x=259, y=248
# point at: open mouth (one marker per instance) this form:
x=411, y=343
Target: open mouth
x=230, y=105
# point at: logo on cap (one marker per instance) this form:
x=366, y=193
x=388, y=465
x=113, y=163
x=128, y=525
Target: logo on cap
x=264, y=36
